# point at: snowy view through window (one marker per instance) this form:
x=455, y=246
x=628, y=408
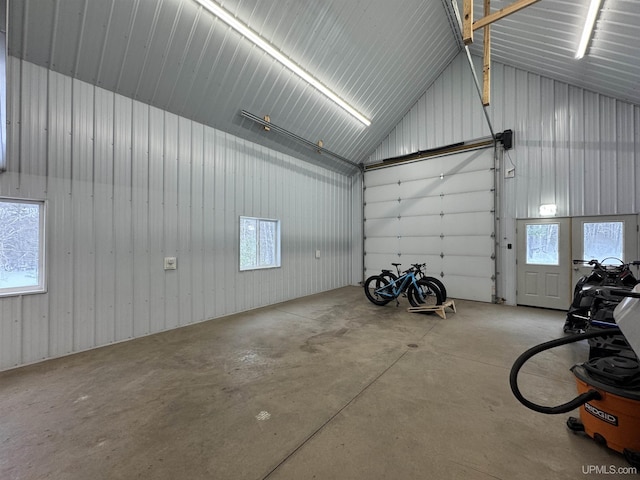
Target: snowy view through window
x=19, y=244
x=259, y=243
x=542, y=244
x=604, y=240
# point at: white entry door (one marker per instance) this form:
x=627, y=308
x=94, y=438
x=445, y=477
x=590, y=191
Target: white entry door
x=544, y=263
x=546, y=247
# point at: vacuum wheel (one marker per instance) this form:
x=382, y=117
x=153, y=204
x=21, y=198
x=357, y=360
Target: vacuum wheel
x=575, y=425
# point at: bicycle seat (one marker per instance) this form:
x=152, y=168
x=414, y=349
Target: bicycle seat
x=396, y=264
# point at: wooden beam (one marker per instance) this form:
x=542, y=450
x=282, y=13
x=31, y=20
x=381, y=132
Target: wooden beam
x=467, y=22
x=486, y=67
x=503, y=12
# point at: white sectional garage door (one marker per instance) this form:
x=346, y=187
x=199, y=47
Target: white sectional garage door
x=439, y=211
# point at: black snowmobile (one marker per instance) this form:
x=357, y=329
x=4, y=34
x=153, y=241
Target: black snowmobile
x=593, y=303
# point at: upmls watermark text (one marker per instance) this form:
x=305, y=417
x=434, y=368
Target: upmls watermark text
x=608, y=470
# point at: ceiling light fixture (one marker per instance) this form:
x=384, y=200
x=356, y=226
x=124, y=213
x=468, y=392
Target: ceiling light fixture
x=589, y=23
x=245, y=31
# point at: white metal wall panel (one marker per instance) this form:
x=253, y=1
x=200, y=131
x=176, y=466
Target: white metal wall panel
x=125, y=185
x=438, y=211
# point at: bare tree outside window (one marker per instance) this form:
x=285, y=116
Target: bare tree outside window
x=603, y=240
x=542, y=244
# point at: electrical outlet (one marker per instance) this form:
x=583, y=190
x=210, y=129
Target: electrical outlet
x=317, y=253
x=170, y=263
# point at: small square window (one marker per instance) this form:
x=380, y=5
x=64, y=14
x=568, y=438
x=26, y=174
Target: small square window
x=259, y=243
x=21, y=247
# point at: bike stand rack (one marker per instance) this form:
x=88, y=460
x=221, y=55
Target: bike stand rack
x=439, y=309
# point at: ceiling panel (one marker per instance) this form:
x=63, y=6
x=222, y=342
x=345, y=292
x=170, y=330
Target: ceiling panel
x=378, y=55
x=543, y=39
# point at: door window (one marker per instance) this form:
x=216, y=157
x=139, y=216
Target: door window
x=542, y=244
x=603, y=240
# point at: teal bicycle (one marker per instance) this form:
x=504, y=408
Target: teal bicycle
x=381, y=289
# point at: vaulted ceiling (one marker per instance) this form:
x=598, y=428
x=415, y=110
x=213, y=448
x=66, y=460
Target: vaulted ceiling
x=380, y=56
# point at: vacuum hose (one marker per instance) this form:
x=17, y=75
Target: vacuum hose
x=565, y=407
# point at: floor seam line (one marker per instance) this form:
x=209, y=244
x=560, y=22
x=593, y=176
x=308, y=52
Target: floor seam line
x=330, y=419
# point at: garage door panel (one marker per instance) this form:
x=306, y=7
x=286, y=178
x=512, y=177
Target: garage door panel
x=463, y=202
x=419, y=226
x=431, y=224
x=375, y=262
x=424, y=187
x=421, y=206
x=468, y=288
x=384, y=192
x=432, y=261
x=464, y=182
x=382, y=210
x=468, y=266
x=382, y=244
x=418, y=245
x=465, y=245
x=433, y=187
x=380, y=227
x=376, y=178
x=447, y=165
x=473, y=223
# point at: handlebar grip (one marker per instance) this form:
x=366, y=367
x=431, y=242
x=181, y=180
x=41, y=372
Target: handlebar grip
x=624, y=293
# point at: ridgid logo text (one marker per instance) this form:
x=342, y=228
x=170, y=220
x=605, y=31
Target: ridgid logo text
x=601, y=414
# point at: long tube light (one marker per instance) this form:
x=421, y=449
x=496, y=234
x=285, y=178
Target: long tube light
x=589, y=23
x=245, y=31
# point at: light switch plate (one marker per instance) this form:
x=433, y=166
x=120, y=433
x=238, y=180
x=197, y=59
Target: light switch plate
x=170, y=263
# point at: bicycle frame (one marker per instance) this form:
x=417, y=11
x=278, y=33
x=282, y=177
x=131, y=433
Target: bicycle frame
x=401, y=283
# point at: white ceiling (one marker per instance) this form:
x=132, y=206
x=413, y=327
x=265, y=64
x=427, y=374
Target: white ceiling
x=380, y=56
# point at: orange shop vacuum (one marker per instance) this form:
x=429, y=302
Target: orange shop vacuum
x=608, y=384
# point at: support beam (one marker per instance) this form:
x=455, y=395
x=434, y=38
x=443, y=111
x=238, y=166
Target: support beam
x=467, y=22
x=486, y=67
x=503, y=12
x=469, y=26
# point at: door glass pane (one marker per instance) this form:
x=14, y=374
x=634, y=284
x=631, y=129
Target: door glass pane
x=603, y=240
x=542, y=244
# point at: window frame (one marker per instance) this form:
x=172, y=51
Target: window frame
x=278, y=244
x=41, y=286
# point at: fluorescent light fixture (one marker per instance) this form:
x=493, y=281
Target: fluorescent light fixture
x=589, y=23
x=549, y=209
x=245, y=31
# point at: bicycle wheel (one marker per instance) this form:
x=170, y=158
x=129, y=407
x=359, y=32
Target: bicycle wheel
x=372, y=288
x=389, y=276
x=440, y=285
x=427, y=294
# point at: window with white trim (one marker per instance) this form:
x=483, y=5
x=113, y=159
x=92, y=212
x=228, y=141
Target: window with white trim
x=21, y=247
x=259, y=243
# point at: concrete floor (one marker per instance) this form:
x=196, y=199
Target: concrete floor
x=324, y=387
